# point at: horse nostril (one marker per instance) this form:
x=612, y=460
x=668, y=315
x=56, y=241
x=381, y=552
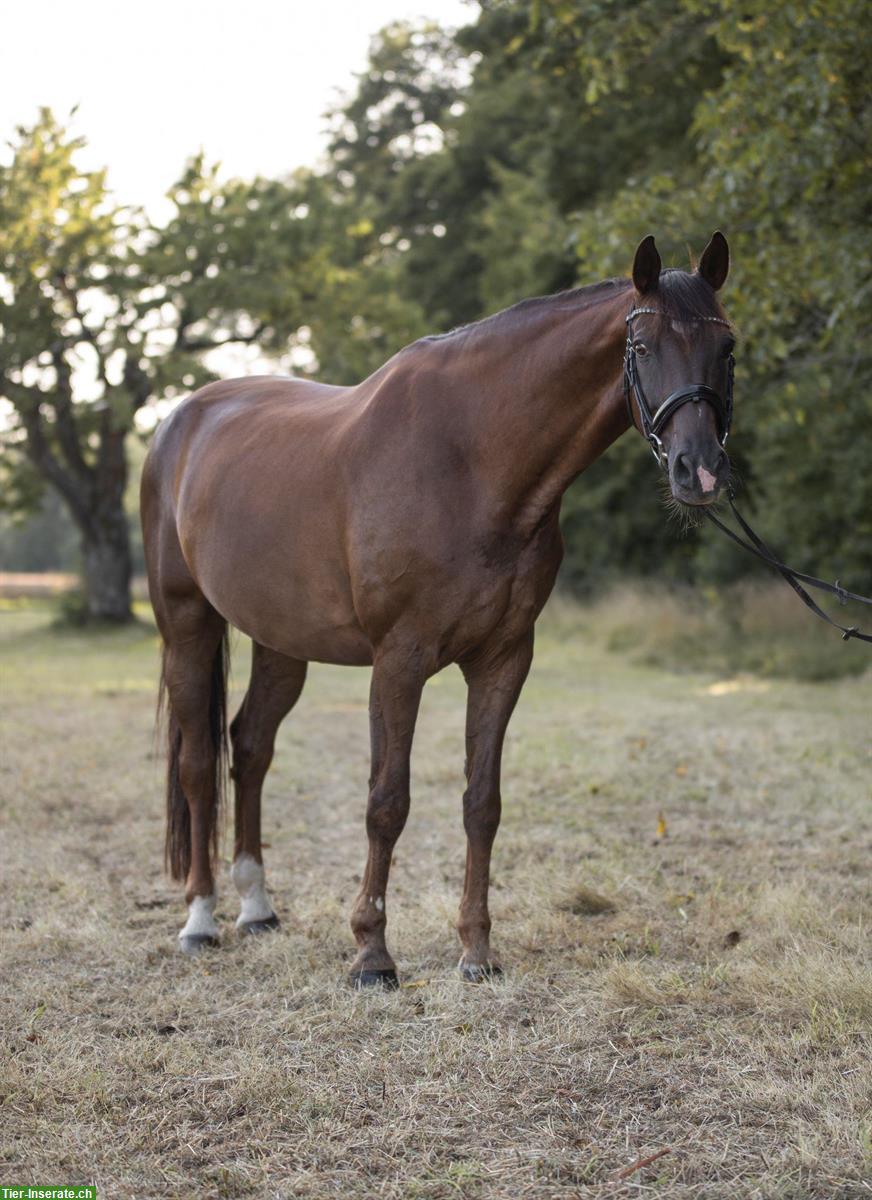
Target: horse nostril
x=682, y=471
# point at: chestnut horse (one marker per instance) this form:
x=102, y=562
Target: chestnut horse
x=405, y=523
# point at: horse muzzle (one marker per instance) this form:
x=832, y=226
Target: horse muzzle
x=698, y=480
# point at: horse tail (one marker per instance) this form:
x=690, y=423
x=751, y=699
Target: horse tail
x=177, y=847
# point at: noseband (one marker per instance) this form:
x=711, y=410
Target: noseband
x=652, y=424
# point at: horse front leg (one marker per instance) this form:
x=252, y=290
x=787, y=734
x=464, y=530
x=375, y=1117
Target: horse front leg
x=495, y=678
x=395, y=695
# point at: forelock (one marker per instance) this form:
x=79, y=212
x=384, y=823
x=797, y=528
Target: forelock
x=683, y=297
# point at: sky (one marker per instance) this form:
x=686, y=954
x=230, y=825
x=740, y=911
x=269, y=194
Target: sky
x=248, y=81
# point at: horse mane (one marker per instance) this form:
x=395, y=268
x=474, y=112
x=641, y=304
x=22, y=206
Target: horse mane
x=585, y=296
x=680, y=295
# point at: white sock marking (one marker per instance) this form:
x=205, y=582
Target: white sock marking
x=200, y=921
x=249, y=879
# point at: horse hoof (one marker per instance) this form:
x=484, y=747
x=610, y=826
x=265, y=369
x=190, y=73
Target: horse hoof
x=253, y=928
x=485, y=973
x=193, y=943
x=385, y=978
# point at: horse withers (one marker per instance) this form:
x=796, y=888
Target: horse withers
x=405, y=523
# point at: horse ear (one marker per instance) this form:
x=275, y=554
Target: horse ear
x=646, y=266
x=714, y=264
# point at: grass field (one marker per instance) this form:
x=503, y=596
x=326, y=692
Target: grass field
x=681, y=889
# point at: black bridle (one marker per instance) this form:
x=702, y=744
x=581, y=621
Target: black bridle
x=652, y=424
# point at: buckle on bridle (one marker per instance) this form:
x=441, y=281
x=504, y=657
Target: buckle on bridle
x=657, y=449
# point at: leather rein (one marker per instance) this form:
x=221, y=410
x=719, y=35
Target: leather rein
x=651, y=424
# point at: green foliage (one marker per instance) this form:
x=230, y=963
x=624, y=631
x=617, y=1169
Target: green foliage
x=527, y=152
x=102, y=312
x=71, y=610
x=524, y=238
x=775, y=155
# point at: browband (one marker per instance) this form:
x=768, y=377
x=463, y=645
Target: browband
x=657, y=312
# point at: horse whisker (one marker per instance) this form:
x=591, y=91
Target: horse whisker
x=685, y=516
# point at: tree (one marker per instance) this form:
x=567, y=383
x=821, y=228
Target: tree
x=102, y=312
x=777, y=151
x=526, y=153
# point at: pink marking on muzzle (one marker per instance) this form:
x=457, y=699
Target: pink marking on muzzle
x=706, y=479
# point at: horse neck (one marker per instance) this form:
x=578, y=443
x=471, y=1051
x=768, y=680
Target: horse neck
x=553, y=402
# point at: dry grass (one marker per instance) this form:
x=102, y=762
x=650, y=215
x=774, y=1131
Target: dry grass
x=754, y=627
x=718, y=1004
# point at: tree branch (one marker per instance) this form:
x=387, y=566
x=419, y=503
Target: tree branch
x=40, y=454
x=136, y=381
x=111, y=461
x=182, y=342
x=87, y=334
x=65, y=420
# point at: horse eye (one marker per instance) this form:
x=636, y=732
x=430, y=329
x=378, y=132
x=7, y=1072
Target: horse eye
x=728, y=349
x=641, y=349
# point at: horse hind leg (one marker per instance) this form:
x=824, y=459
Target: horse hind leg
x=194, y=678
x=274, y=688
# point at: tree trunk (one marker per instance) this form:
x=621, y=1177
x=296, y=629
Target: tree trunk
x=106, y=551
